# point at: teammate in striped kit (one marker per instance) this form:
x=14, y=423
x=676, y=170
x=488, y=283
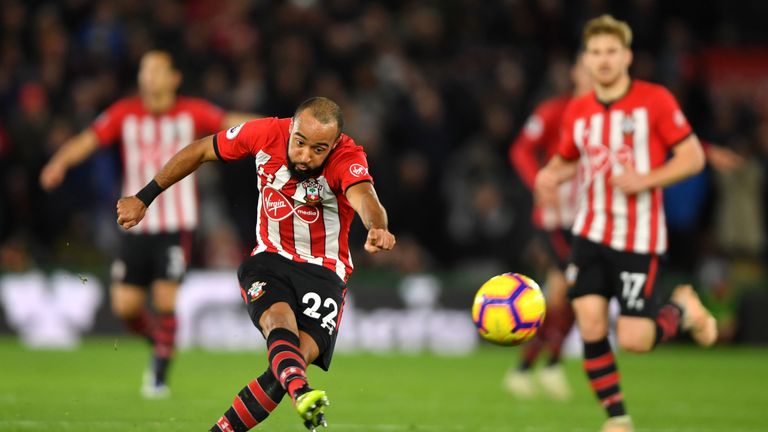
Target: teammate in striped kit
x=531, y=149
x=620, y=135
x=150, y=128
x=312, y=179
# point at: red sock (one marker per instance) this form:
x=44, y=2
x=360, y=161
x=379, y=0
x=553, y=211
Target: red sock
x=562, y=319
x=165, y=338
x=600, y=366
x=252, y=405
x=668, y=323
x=141, y=324
x=286, y=360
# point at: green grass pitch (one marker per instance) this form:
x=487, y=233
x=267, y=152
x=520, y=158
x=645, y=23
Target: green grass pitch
x=95, y=388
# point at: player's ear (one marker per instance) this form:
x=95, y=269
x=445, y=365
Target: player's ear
x=335, y=143
x=176, y=77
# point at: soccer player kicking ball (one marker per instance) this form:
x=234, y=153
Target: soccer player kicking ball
x=620, y=134
x=311, y=178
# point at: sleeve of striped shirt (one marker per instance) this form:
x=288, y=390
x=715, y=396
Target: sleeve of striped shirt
x=671, y=123
x=567, y=148
x=524, y=152
x=208, y=117
x=108, y=124
x=245, y=139
x=348, y=167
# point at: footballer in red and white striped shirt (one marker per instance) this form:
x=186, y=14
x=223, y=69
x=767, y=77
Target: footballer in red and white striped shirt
x=630, y=140
x=633, y=133
x=312, y=178
x=149, y=128
x=304, y=217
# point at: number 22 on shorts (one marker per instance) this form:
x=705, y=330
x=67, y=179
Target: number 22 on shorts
x=313, y=302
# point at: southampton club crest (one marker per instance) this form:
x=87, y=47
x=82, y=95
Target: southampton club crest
x=312, y=189
x=256, y=290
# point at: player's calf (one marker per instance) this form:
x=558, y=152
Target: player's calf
x=252, y=405
x=635, y=334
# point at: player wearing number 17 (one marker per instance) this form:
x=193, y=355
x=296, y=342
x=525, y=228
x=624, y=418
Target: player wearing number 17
x=620, y=134
x=312, y=178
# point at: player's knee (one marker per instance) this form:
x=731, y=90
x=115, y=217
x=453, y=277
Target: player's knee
x=279, y=315
x=593, y=330
x=124, y=309
x=634, y=342
x=164, y=296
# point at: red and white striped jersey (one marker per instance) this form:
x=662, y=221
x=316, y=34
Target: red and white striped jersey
x=303, y=221
x=147, y=142
x=532, y=149
x=639, y=129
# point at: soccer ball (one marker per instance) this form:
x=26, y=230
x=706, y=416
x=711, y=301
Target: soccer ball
x=508, y=309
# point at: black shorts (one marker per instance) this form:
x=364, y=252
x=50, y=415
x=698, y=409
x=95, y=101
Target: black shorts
x=145, y=258
x=630, y=277
x=315, y=293
x=557, y=243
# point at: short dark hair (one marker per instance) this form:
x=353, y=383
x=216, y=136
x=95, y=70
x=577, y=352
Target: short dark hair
x=323, y=109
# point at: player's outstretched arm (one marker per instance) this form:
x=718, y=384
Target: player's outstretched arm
x=130, y=210
x=71, y=153
x=722, y=159
x=362, y=197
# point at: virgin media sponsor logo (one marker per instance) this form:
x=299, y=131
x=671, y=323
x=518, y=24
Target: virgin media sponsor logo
x=601, y=159
x=278, y=207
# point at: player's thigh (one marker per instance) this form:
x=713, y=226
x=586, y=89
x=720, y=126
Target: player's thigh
x=268, y=292
x=164, y=294
x=591, y=316
x=133, y=265
x=320, y=294
x=635, y=334
x=557, y=288
x=169, y=258
x=278, y=315
x=634, y=283
x=586, y=273
x=127, y=300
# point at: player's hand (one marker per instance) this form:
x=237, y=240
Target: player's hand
x=724, y=159
x=545, y=187
x=52, y=175
x=379, y=239
x=130, y=211
x=630, y=181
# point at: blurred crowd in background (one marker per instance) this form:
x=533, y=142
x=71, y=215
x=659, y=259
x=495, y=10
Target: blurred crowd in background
x=434, y=90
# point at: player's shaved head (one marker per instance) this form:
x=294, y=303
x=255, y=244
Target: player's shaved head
x=323, y=109
x=607, y=24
